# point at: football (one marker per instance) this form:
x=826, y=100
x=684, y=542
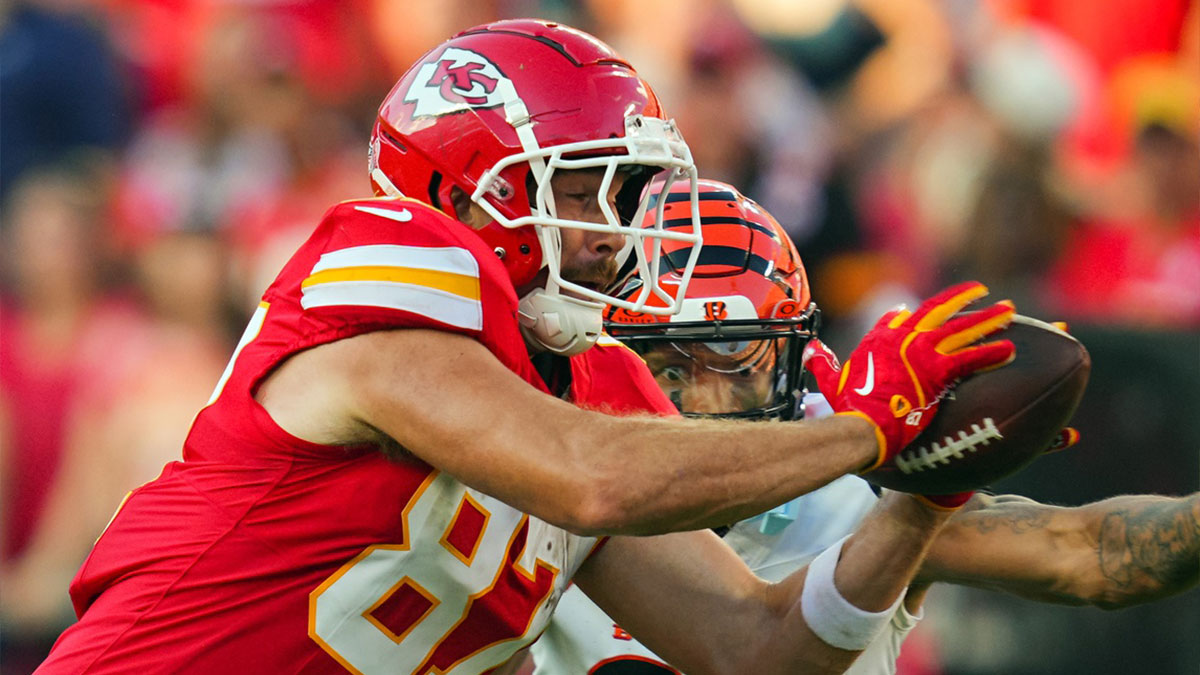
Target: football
x=992, y=424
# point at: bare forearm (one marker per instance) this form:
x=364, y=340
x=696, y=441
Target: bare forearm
x=877, y=563
x=1147, y=548
x=700, y=473
x=1113, y=553
x=688, y=597
x=585, y=471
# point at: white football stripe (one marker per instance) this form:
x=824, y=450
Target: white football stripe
x=447, y=308
x=443, y=259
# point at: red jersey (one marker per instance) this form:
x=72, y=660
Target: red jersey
x=261, y=552
x=611, y=378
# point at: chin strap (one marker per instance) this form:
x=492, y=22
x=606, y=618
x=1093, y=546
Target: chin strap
x=559, y=323
x=389, y=188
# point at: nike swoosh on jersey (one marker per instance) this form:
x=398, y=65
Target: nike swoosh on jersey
x=401, y=216
x=869, y=385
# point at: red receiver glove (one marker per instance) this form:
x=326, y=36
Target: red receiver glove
x=897, y=375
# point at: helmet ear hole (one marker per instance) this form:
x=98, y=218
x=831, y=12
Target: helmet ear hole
x=630, y=194
x=435, y=183
x=461, y=202
x=531, y=187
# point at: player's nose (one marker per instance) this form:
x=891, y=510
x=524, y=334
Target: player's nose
x=709, y=395
x=602, y=245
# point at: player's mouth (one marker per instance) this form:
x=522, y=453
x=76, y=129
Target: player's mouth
x=590, y=285
x=596, y=276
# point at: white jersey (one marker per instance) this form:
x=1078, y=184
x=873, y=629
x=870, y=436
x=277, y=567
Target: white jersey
x=582, y=639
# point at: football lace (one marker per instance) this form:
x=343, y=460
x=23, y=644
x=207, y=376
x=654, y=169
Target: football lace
x=923, y=458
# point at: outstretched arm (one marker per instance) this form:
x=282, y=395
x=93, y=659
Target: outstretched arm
x=691, y=600
x=1113, y=553
x=447, y=400
x=450, y=401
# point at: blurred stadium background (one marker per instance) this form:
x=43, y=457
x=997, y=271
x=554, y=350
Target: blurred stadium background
x=160, y=158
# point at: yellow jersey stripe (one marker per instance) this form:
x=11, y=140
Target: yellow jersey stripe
x=463, y=285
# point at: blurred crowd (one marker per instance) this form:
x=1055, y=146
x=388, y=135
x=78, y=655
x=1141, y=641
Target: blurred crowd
x=159, y=159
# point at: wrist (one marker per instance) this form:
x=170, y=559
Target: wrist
x=833, y=618
x=916, y=512
x=874, y=442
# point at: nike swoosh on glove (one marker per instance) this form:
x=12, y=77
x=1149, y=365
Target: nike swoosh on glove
x=897, y=375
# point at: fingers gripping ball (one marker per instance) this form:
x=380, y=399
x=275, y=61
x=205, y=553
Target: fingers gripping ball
x=994, y=423
x=896, y=376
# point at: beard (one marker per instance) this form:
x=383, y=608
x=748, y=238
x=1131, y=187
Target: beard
x=599, y=273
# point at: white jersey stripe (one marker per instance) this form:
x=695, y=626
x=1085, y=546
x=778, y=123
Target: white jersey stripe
x=442, y=259
x=448, y=308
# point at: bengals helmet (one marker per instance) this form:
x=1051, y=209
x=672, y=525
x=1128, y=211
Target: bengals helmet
x=495, y=111
x=734, y=348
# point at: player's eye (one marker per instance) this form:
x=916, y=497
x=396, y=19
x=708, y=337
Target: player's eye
x=673, y=374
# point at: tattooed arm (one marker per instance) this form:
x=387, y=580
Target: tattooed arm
x=1114, y=553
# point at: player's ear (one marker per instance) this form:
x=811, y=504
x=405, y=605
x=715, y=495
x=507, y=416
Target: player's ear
x=466, y=211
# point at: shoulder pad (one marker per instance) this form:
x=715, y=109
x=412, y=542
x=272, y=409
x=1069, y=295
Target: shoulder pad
x=393, y=211
x=401, y=254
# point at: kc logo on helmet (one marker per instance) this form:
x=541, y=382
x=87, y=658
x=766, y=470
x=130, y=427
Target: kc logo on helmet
x=457, y=80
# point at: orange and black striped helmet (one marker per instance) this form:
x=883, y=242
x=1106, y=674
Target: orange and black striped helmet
x=733, y=350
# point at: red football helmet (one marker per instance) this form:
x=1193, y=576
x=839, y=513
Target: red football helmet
x=497, y=109
x=734, y=347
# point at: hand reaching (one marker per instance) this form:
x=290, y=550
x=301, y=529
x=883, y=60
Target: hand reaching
x=898, y=373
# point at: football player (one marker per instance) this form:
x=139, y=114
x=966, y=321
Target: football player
x=401, y=470
x=734, y=350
